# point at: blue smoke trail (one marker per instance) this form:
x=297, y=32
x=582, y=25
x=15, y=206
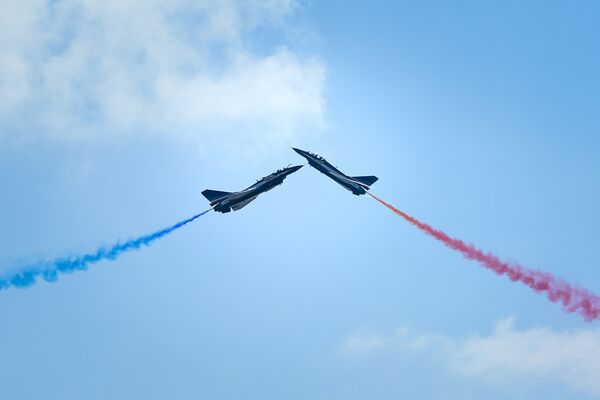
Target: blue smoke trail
x=49, y=270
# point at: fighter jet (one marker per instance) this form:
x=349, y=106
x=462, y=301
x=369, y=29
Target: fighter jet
x=356, y=184
x=226, y=201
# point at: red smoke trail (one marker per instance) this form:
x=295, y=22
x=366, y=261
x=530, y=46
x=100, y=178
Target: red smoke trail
x=572, y=298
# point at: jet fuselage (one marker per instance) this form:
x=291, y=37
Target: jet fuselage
x=226, y=201
x=321, y=164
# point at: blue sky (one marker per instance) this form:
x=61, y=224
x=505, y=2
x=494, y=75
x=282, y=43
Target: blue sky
x=478, y=118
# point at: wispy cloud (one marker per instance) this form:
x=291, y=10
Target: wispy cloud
x=505, y=356
x=83, y=69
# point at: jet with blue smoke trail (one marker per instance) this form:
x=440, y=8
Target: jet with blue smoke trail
x=49, y=270
x=224, y=202
x=356, y=184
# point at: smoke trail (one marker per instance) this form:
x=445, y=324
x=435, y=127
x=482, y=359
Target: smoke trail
x=49, y=270
x=572, y=298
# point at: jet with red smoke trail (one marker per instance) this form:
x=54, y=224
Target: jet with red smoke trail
x=356, y=184
x=224, y=202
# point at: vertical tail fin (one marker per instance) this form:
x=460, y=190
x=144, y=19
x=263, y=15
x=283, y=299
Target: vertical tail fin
x=367, y=180
x=212, y=195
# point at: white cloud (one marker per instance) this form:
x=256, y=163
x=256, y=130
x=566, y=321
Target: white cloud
x=507, y=355
x=80, y=69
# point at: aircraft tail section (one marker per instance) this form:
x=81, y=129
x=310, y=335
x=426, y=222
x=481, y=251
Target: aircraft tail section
x=367, y=180
x=212, y=195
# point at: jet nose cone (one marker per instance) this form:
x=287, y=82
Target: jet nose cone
x=294, y=169
x=301, y=152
